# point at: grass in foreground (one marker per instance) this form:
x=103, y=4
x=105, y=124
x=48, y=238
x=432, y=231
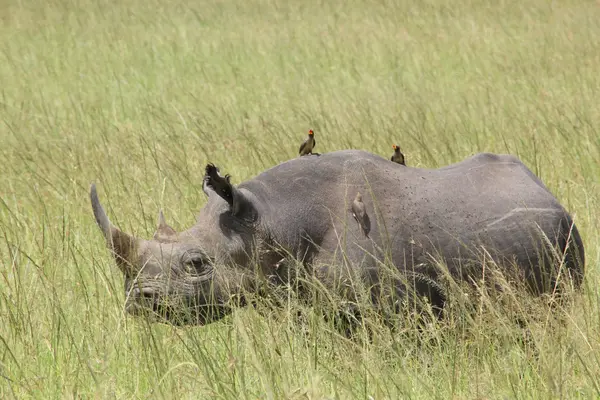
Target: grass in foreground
x=139, y=95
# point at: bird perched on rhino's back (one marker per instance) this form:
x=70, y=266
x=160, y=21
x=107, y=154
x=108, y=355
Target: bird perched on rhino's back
x=397, y=157
x=359, y=212
x=308, y=145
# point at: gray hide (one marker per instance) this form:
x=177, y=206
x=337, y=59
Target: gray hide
x=487, y=204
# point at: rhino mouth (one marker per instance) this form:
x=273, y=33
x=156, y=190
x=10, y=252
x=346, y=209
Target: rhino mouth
x=172, y=309
x=146, y=301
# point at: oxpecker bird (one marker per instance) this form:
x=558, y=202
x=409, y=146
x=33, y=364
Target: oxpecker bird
x=397, y=157
x=309, y=144
x=359, y=212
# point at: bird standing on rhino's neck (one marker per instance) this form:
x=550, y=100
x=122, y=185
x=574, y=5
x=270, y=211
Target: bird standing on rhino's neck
x=397, y=157
x=308, y=145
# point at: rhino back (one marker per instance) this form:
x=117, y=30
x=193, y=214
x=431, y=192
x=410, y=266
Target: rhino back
x=489, y=200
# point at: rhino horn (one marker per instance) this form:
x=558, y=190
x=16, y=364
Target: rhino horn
x=163, y=231
x=122, y=244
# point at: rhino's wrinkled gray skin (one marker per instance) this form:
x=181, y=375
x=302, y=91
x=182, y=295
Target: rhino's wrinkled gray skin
x=487, y=201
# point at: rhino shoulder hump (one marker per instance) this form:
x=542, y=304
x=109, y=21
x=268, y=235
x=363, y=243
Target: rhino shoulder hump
x=497, y=158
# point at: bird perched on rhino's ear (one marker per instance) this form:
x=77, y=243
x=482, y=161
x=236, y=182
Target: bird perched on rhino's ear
x=359, y=212
x=397, y=157
x=309, y=144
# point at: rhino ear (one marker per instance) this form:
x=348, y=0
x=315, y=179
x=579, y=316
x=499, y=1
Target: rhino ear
x=122, y=244
x=240, y=205
x=163, y=231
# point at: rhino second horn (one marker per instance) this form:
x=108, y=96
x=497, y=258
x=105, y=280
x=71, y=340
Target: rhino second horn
x=122, y=244
x=163, y=231
x=161, y=219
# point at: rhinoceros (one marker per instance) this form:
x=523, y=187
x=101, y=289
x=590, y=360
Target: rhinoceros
x=488, y=204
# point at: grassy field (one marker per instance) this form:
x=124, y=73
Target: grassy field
x=139, y=95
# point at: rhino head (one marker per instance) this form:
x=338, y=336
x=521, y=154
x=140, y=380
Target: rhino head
x=174, y=276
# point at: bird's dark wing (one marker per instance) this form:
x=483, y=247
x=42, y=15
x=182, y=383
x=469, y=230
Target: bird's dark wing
x=359, y=213
x=366, y=225
x=302, y=146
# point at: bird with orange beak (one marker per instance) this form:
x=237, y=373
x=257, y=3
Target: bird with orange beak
x=397, y=157
x=309, y=144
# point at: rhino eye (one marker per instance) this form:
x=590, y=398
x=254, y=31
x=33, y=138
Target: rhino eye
x=193, y=266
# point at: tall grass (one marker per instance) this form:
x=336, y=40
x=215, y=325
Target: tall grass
x=139, y=95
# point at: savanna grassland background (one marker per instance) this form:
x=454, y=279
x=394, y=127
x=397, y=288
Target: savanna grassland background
x=138, y=95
